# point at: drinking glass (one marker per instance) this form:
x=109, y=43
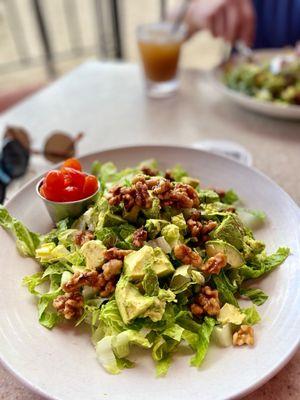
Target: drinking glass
x=159, y=46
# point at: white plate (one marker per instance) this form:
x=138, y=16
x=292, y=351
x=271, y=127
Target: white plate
x=267, y=108
x=61, y=364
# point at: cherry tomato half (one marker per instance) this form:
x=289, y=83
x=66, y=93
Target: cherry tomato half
x=71, y=193
x=51, y=193
x=72, y=163
x=54, y=179
x=90, y=185
x=73, y=177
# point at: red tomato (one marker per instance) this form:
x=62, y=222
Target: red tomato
x=51, y=193
x=73, y=177
x=90, y=185
x=54, y=179
x=72, y=163
x=71, y=193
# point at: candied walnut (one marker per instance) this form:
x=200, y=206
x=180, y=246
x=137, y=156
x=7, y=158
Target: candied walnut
x=83, y=236
x=69, y=304
x=245, y=335
x=206, y=303
x=137, y=194
x=214, y=264
x=112, y=268
x=208, y=227
x=184, y=196
x=162, y=188
x=115, y=253
x=187, y=256
x=106, y=286
x=178, y=195
x=142, y=196
x=231, y=209
x=200, y=230
x=139, y=237
x=149, y=171
x=220, y=192
x=194, y=227
x=108, y=289
x=79, y=279
x=169, y=176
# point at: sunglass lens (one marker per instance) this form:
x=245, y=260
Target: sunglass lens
x=58, y=147
x=2, y=192
x=15, y=158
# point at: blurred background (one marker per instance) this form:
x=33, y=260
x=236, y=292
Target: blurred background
x=42, y=39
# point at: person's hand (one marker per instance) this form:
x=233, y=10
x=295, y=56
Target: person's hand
x=230, y=19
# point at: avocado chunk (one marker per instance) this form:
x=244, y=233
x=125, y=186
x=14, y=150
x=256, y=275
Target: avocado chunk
x=234, y=258
x=222, y=335
x=136, y=263
x=208, y=196
x=93, y=251
x=162, y=266
x=131, y=303
x=188, y=180
x=154, y=227
x=231, y=231
x=230, y=314
x=109, y=219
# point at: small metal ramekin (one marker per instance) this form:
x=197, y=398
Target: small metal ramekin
x=60, y=210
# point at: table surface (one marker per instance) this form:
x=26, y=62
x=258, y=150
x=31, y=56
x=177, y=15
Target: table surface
x=107, y=102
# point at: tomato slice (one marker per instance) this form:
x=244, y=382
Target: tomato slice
x=73, y=177
x=54, y=179
x=90, y=185
x=72, y=163
x=71, y=193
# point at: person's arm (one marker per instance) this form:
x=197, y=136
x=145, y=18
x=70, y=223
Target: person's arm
x=230, y=19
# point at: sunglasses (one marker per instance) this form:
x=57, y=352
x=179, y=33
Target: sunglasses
x=16, y=151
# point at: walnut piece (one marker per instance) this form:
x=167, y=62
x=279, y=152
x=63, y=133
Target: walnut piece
x=135, y=195
x=206, y=303
x=245, y=335
x=139, y=237
x=177, y=195
x=69, y=304
x=187, y=256
x=89, y=278
x=112, y=268
x=214, y=264
x=83, y=236
x=115, y=253
x=199, y=229
x=149, y=171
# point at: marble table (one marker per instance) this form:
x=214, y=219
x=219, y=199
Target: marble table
x=107, y=102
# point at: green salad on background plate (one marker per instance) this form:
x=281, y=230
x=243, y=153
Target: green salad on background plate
x=159, y=262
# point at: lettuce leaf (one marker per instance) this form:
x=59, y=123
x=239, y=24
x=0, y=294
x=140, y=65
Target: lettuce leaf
x=225, y=288
x=263, y=264
x=32, y=281
x=26, y=241
x=230, y=197
x=203, y=341
x=257, y=296
x=252, y=316
x=178, y=172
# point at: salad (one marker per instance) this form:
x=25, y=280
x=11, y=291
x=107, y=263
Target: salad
x=277, y=80
x=157, y=262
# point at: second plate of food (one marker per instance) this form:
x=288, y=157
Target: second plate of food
x=62, y=364
x=268, y=85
